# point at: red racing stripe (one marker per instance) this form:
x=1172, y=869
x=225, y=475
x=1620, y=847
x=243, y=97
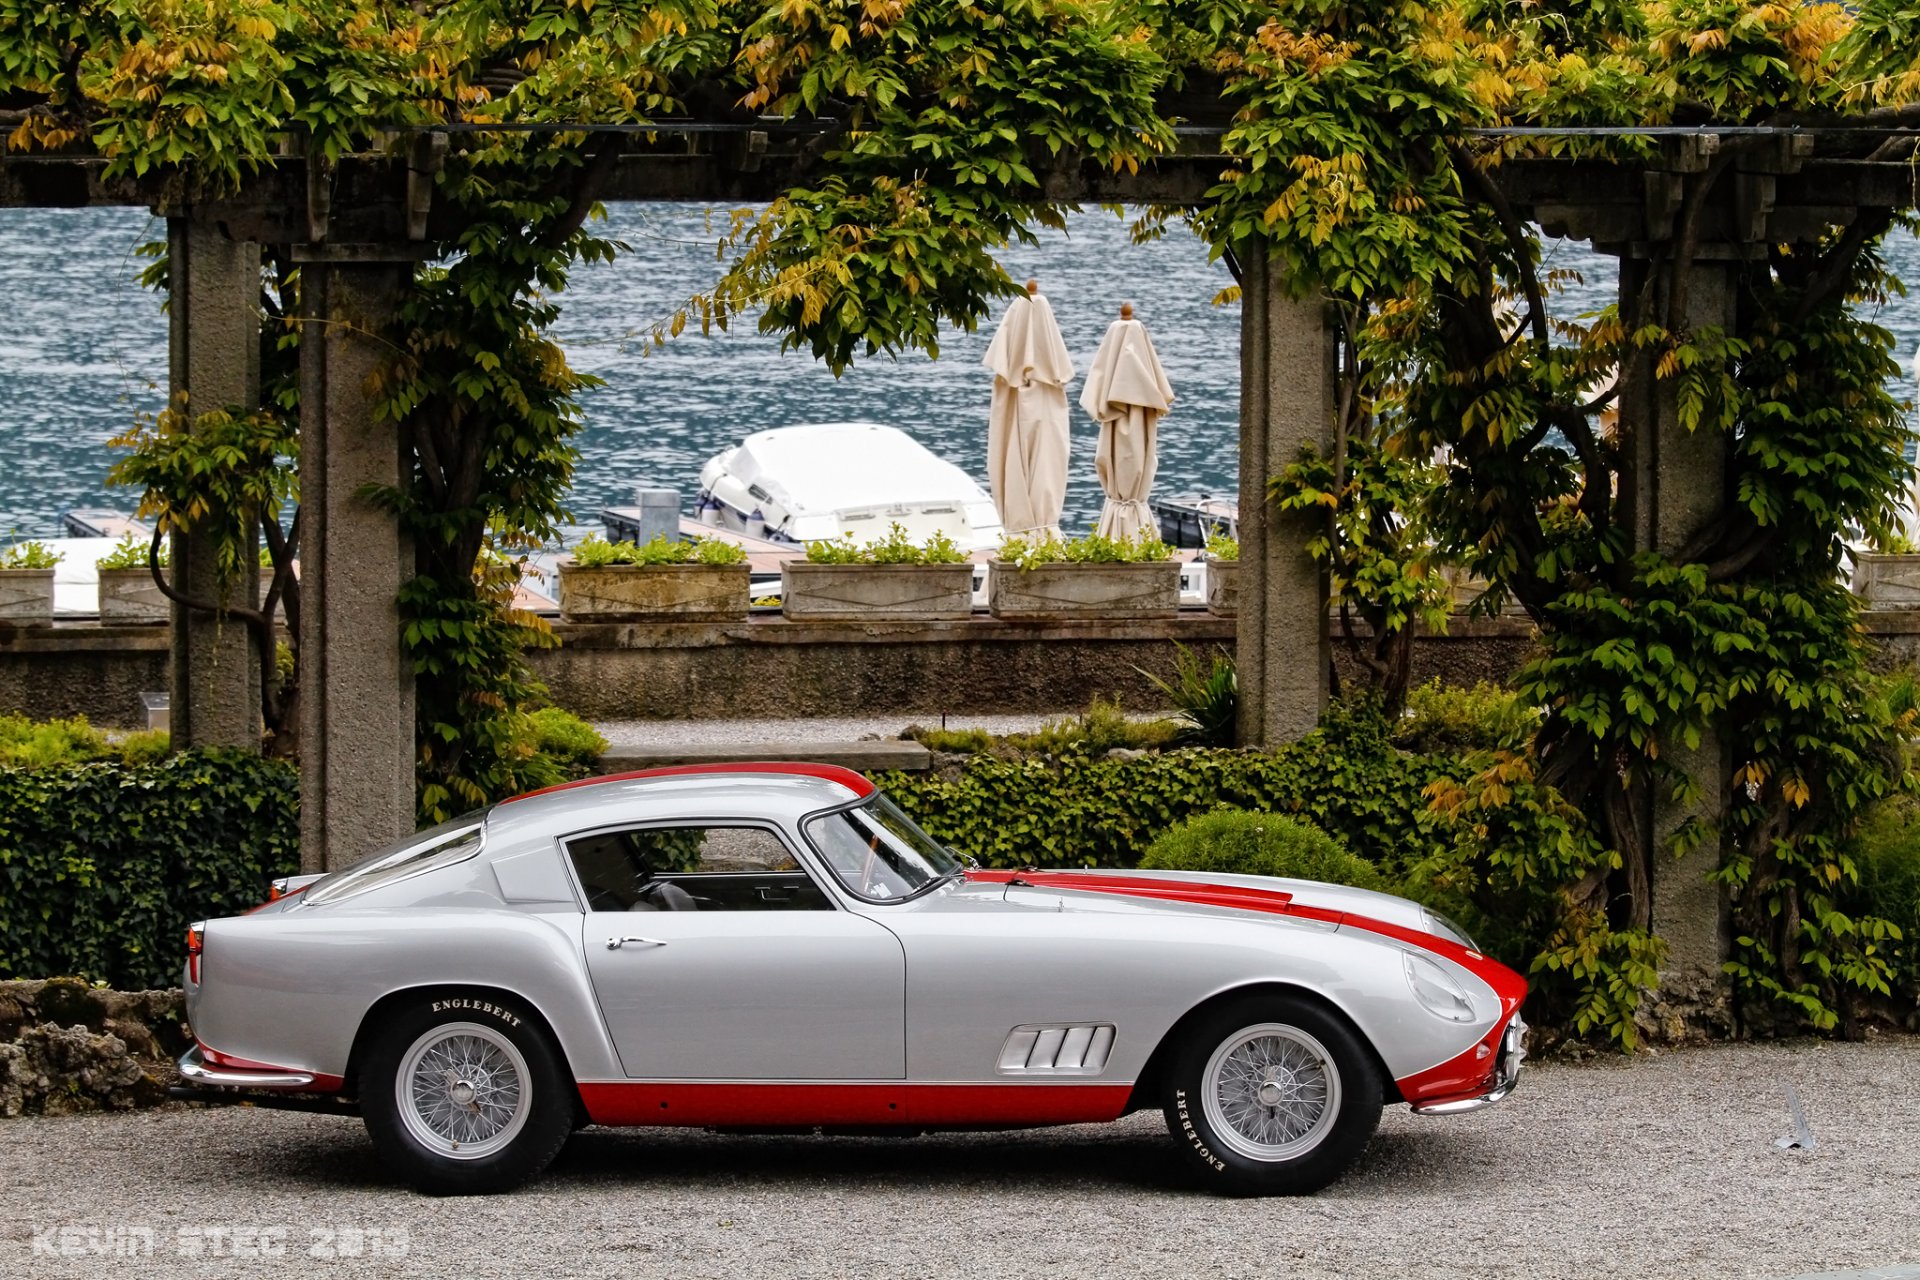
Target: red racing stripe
x=1511, y=987
x=847, y=778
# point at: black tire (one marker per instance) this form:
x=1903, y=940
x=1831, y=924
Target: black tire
x=1326, y=1085
x=501, y=1044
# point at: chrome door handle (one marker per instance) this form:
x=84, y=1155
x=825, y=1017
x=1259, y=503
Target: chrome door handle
x=614, y=944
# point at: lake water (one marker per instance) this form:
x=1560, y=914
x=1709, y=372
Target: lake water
x=86, y=351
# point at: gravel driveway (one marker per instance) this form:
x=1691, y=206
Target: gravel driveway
x=1663, y=1166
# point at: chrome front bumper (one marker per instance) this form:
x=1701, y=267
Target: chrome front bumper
x=194, y=1070
x=1506, y=1074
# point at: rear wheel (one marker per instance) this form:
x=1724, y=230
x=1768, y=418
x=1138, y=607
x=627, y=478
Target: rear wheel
x=1272, y=1096
x=466, y=1097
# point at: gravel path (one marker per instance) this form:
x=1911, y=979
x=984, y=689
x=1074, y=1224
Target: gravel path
x=702, y=733
x=1662, y=1167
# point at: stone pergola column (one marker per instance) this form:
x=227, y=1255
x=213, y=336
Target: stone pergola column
x=356, y=684
x=1287, y=382
x=213, y=355
x=1676, y=484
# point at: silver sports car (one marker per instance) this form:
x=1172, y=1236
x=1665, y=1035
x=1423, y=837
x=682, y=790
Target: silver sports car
x=777, y=946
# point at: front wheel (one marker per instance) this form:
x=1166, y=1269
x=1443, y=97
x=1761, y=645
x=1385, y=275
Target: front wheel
x=466, y=1097
x=1272, y=1096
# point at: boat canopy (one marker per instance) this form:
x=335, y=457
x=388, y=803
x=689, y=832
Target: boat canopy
x=821, y=480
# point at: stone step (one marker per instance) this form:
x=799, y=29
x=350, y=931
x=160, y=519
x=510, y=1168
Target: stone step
x=867, y=756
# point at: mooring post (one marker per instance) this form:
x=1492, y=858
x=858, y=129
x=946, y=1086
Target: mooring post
x=1287, y=382
x=356, y=684
x=1676, y=483
x=213, y=357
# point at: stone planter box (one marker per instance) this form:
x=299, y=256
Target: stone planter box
x=1888, y=582
x=1223, y=588
x=130, y=596
x=851, y=592
x=1053, y=591
x=653, y=593
x=26, y=597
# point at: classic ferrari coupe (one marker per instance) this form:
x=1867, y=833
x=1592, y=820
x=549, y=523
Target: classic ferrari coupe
x=778, y=947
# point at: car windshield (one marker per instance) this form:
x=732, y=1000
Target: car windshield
x=877, y=852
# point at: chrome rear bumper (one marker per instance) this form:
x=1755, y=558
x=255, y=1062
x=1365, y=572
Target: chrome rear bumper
x=1506, y=1074
x=194, y=1070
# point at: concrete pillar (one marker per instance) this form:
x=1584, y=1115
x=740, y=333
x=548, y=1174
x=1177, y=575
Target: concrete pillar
x=356, y=685
x=1677, y=483
x=1287, y=384
x=213, y=352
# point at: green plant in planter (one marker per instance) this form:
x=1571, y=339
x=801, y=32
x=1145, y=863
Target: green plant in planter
x=840, y=550
x=1026, y=553
x=595, y=552
x=898, y=547
x=131, y=553
x=30, y=555
x=1221, y=547
x=711, y=551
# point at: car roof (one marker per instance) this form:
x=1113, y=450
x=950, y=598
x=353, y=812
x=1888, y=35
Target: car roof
x=750, y=790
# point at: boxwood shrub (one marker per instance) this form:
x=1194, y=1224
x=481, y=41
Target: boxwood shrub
x=103, y=865
x=1232, y=841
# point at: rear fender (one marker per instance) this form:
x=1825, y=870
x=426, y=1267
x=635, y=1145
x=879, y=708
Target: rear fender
x=295, y=988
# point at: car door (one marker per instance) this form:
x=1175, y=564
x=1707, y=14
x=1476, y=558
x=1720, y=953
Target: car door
x=715, y=956
x=1049, y=996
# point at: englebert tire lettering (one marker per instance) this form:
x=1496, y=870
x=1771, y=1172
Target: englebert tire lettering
x=477, y=1006
x=1186, y=1126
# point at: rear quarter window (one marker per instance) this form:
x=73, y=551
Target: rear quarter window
x=421, y=852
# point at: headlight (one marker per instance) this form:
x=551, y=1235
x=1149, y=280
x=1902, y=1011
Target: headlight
x=1447, y=927
x=1436, y=990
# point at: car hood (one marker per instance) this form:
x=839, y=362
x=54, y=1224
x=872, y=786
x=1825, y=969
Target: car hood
x=1197, y=892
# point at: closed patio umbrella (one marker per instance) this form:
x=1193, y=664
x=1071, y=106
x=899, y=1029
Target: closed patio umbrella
x=1127, y=393
x=1027, y=427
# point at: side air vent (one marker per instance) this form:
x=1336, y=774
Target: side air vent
x=1077, y=1049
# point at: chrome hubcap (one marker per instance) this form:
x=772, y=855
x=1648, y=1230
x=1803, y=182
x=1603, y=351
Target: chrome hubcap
x=462, y=1090
x=1271, y=1092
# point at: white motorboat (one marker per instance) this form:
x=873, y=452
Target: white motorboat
x=816, y=481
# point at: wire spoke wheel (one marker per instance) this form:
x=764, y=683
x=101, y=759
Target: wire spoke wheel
x=463, y=1090
x=1271, y=1092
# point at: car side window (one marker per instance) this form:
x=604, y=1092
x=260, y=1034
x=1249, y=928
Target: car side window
x=692, y=868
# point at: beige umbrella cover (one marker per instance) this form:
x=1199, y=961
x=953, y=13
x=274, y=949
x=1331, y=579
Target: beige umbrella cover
x=1027, y=427
x=1127, y=393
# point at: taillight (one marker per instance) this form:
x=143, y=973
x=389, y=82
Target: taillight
x=277, y=890
x=196, y=943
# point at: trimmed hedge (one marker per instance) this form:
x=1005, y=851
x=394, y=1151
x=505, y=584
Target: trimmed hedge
x=1079, y=809
x=103, y=866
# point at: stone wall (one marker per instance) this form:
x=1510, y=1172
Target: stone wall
x=66, y=1046
x=774, y=669
x=82, y=669
x=769, y=668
